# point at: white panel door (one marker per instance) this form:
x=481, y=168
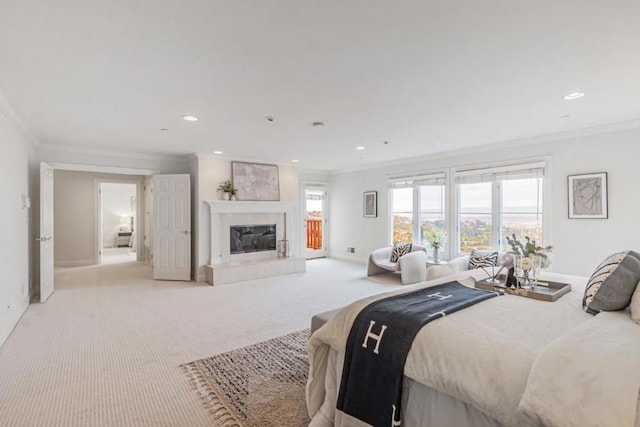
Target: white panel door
x=171, y=227
x=46, y=231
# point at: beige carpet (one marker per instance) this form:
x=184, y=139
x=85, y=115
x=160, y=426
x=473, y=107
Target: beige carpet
x=105, y=350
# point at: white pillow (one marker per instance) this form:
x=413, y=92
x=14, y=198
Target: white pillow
x=635, y=305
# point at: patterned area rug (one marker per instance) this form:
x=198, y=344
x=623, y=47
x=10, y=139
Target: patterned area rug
x=259, y=385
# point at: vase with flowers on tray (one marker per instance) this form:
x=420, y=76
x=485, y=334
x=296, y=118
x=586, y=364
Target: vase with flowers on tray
x=524, y=261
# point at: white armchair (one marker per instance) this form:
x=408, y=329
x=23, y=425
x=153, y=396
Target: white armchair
x=412, y=266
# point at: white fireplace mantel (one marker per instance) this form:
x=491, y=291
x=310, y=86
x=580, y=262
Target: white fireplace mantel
x=292, y=229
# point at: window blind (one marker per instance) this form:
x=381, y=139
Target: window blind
x=522, y=171
x=414, y=181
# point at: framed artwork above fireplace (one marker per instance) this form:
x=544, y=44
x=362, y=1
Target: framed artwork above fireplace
x=255, y=181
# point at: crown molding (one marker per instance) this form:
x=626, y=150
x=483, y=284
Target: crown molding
x=14, y=119
x=551, y=137
x=245, y=160
x=117, y=154
x=77, y=167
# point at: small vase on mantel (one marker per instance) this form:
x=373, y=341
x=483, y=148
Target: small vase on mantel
x=225, y=196
x=233, y=197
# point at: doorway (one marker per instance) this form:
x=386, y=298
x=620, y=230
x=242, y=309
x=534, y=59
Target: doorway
x=117, y=225
x=315, y=220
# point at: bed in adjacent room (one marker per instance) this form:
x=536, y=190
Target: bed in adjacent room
x=509, y=361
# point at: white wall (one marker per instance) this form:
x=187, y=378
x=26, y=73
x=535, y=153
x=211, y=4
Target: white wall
x=15, y=238
x=116, y=202
x=580, y=244
x=211, y=171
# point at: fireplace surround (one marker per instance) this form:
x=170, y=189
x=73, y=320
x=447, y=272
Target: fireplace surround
x=228, y=267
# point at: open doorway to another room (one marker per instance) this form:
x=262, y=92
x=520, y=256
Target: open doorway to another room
x=118, y=223
x=316, y=220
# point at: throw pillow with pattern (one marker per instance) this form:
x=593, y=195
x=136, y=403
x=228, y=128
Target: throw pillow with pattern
x=400, y=249
x=611, y=286
x=479, y=259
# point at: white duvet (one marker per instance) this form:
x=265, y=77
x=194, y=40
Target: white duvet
x=520, y=361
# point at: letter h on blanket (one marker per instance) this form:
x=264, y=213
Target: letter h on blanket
x=377, y=338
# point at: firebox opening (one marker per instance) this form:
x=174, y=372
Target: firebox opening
x=252, y=238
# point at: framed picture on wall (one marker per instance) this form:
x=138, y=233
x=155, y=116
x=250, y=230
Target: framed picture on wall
x=370, y=202
x=588, y=196
x=255, y=181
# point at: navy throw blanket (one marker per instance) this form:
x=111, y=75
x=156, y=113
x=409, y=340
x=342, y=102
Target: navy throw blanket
x=379, y=342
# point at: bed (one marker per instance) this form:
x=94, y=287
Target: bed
x=509, y=361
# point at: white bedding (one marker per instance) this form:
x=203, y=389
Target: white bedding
x=482, y=355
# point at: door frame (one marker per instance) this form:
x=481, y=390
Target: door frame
x=46, y=205
x=139, y=221
x=323, y=185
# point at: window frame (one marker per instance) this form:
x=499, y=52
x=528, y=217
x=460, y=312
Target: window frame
x=415, y=184
x=496, y=198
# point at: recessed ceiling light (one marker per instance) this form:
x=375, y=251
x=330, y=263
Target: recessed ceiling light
x=317, y=124
x=164, y=129
x=217, y=152
x=360, y=147
x=270, y=118
x=190, y=118
x=295, y=161
x=385, y=142
x=566, y=116
x=574, y=95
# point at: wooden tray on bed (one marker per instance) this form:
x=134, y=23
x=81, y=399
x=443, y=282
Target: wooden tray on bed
x=545, y=291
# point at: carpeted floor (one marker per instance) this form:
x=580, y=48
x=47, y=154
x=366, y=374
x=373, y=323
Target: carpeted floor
x=106, y=349
x=262, y=385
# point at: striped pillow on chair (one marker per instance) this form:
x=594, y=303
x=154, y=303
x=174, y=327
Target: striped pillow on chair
x=400, y=249
x=479, y=259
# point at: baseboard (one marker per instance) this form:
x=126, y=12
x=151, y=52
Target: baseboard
x=77, y=263
x=200, y=274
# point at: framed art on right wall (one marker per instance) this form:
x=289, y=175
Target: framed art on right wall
x=370, y=204
x=588, y=196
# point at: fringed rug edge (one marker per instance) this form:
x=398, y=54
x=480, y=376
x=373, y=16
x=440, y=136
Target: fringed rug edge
x=209, y=397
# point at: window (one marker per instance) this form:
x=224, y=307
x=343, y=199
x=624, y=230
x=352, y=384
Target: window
x=494, y=203
x=474, y=216
x=416, y=204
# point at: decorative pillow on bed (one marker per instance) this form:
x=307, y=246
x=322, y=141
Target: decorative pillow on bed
x=635, y=305
x=400, y=249
x=612, y=285
x=479, y=259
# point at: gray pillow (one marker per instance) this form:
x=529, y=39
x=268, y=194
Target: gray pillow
x=635, y=305
x=611, y=286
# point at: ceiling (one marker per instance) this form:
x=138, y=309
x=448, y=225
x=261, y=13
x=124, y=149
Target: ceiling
x=426, y=76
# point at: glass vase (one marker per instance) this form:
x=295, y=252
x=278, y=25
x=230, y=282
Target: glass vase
x=523, y=266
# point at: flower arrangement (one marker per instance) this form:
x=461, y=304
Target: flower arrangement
x=435, y=237
x=227, y=187
x=527, y=249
